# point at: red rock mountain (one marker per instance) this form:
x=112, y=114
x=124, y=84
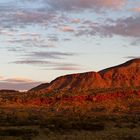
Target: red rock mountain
x=124, y=75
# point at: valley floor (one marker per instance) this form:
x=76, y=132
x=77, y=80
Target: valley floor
x=17, y=124
x=102, y=116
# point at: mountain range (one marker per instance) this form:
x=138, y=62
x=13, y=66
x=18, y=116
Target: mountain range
x=115, y=89
x=126, y=75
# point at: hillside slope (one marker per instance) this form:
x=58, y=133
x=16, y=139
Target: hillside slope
x=121, y=76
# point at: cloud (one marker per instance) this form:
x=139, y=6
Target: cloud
x=42, y=59
x=125, y=27
x=17, y=16
x=66, y=29
x=21, y=18
x=33, y=17
x=76, y=21
x=1, y=77
x=18, y=80
x=49, y=65
x=66, y=5
x=18, y=86
x=17, y=83
x=30, y=34
x=5, y=32
x=26, y=40
x=53, y=38
x=33, y=62
x=128, y=27
x=49, y=55
x=31, y=42
x=135, y=9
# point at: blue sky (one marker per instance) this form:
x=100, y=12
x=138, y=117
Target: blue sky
x=43, y=39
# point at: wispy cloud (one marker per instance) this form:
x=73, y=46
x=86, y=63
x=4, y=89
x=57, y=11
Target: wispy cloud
x=18, y=80
x=124, y=27
x=33, y=17
x=127, y=27
x=1, y=77
x=33, y=62
x=66, y=5
x=49, y=65
x=66, y=29
x=49, y=55
x=21, y=18
x=31, y=41
x=137, y=9
x=17, y=83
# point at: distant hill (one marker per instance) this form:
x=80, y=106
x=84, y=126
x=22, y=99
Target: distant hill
x=8, y=91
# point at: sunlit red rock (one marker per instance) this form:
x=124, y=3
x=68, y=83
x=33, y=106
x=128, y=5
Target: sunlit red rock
x=124, y=75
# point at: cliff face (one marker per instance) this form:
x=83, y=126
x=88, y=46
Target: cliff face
x=124, y=75
x=78, y=81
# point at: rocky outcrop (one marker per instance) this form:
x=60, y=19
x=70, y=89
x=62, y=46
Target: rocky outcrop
x=124, y=75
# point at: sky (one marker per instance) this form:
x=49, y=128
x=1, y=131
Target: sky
x=43, y=39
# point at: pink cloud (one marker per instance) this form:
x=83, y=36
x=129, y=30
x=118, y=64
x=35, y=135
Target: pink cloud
x=19, y=80
x=102, y=3
x=136, y=9
x=85, y=4
x=1, y=77
x=17, y=83
x=76, y=21
x=125, y=27
x=66, y=29
x=111, y=3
